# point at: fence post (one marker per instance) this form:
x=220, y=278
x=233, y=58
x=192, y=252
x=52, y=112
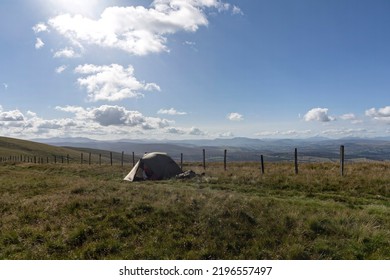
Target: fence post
x=204, y=159
x=181, y=161
x=67, y=158
x=296, y=160
x=342, y=160
x=224, y=160
x=123, y=154
x=133, y=159
x=100, y=159
x=111, y=158
x=262, y=164
x=82, y=158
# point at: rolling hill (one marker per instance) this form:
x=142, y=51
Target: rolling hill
x=17, y=147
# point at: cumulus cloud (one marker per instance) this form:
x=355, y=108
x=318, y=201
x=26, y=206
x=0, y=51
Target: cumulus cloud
x=381, y=114
x=348, y=117
x=66, y=52
x=107, y=115
x=112, y=82
x=104, y=121
x=235, y=117
x=172, y=112
x=39, y=43
x=11, y=116
x=40, y=27
x=318, y=114
x=174, y=130
x=136, y=29
x=351, y=117
x=196, y=131
x=61, y=69
x=227, y=134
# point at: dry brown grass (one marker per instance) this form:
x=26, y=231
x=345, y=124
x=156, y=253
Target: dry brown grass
x=88, y=212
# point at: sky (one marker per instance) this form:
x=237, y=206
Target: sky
x=176, y=69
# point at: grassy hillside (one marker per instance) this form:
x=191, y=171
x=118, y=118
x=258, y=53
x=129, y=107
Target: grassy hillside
x=17, y=147
x=88, y=212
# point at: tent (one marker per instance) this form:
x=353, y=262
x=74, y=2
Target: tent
x=154, y=166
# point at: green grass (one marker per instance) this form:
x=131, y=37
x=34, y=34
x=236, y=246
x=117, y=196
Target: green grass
x=87, y=212
x=17, y=148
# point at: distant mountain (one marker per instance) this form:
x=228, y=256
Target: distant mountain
x=244, y=149
x=55, y=140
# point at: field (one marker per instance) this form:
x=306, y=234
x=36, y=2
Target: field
x=60, y=211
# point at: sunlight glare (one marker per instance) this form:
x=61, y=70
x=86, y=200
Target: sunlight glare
x=85, y=7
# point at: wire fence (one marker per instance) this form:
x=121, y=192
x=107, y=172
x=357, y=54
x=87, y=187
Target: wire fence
x=113, y=158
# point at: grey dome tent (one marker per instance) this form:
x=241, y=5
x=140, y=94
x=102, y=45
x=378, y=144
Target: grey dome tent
x=154, y=166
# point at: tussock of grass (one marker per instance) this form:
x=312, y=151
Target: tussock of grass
x=88, y=212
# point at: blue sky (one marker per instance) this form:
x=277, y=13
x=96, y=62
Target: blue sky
x=180, y=69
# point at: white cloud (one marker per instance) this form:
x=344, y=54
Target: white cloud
x=172, y=112
x=348, y=117
x=66, y=52
x=286, y=133
x=346, y=132
x=112, y=82
x=136, y=29
x=40, y=27
x=174, y=130
x=227, y=134
x=39, y=43
x=382, y=114
x=318, y=114
x=11, y=116
x=235, y=117
x=107, y=115
x=61, y=69
x=103, y=122
x=237, y=11
x=196, y=131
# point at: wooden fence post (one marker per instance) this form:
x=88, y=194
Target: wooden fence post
x=296, y=160
x=342, y=160
x=123, y=154
x=224, y=159
x=181, y=161
x=133, y=159
x=204, y=159
x=100, y=159
x=89, y=159
x=67, y=158
x=82, y=158
x=262, y=164
x=111, y=158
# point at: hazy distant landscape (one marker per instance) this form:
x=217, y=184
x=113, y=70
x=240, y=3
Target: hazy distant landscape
x=243, y=149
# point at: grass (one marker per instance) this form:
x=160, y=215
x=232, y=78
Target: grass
x=87, y=212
